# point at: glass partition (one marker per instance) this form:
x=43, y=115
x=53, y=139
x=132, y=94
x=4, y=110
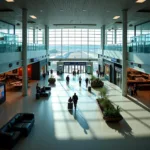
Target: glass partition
x=115, y=47
x=8, y=43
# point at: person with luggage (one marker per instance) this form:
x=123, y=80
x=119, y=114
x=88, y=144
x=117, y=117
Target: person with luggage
x=75, y=100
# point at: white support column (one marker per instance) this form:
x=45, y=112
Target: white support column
x=24, y=53
x=124, y=54
x=102, y=45
x=47, y=43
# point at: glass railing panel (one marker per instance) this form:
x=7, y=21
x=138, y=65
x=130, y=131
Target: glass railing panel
x=115, y=47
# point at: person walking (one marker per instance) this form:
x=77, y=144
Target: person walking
x=86, y=81
x=51, y=71
x=38, y=89
x=75, y=100
x=80, y=79
x=67, y=80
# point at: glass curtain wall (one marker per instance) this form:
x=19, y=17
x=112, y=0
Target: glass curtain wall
x=74, y=43
x=39, y=36
x=110, y=39
x=6, y=28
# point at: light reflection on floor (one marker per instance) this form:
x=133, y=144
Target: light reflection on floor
x=57, y=128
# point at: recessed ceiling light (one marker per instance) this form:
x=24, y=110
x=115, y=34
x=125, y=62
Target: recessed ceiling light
x=33, y=17
x=140, y=1
x=116, y=17
x=84, y=9
x=10, y=1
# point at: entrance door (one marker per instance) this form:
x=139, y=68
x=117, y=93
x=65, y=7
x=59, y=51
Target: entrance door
x=66, y=67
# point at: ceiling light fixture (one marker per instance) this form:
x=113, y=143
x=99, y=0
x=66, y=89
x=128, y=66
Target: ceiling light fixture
x=116, y=17
x=140, y=1
x=10, y=1
x=33, y=17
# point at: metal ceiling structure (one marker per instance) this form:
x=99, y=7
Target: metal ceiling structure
x=50, y=12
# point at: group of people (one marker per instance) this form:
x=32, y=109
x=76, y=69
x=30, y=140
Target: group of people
x=74, y=99
x=80, y=80
x=39, y=89
x=132, y=90
x=74, y=72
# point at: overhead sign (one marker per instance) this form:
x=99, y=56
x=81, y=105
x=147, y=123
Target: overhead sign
x=75, y=63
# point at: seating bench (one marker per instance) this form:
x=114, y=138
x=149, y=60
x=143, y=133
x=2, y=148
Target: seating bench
x=42, y=94
x=20, y=125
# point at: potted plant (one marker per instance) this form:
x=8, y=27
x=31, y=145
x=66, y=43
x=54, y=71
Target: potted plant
x=109, y=111
x=96, y=82
x=51, y=80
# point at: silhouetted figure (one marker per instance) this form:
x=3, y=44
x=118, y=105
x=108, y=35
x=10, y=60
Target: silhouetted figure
x=80, y=79
x=51, y=71
x=86, y=81
x=67, y=80
x=38, y=89
x=70, y=100
x=75, y=100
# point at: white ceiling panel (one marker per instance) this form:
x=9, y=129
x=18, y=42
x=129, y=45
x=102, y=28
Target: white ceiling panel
x=97, y=12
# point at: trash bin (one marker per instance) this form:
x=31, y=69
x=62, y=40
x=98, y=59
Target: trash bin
x=89, y=88
x=70, y=105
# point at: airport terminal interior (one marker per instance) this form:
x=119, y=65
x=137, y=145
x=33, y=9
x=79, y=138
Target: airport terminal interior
x=74, y=74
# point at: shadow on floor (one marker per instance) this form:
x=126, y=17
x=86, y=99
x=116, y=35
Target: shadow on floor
x=122, y=127
x=136, y=102
x=81, y=120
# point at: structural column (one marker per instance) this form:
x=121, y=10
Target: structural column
x=124, y=54
x=102, y=46
x=47, y=43
x=24, y=52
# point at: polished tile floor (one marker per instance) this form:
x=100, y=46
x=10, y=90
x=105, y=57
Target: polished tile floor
x=58, y=129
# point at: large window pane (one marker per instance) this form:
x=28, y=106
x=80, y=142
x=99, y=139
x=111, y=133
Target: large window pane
x=75, y=43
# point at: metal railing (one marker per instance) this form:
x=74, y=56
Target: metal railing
x=9, y=43
x=139, y=47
